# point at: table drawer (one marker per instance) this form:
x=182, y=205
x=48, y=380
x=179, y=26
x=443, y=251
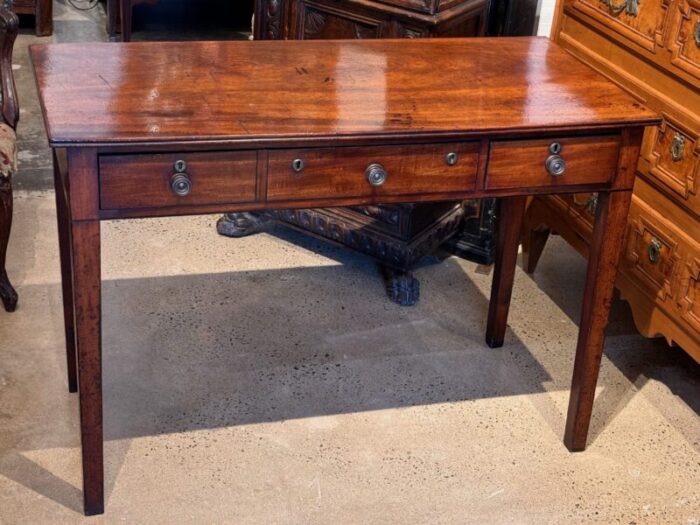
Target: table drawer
x=295, y=174
x=523, y=164
x=145, y=180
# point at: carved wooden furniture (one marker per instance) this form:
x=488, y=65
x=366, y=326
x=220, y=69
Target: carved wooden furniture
x=464, y=118
x=42, y=11
x=8, y=147
x=653, y=50
x=396, y=235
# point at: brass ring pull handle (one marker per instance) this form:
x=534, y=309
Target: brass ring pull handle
x=376, y=174
x=555, y=165
x=180, y=182
x=654, y=251
x=631, y=7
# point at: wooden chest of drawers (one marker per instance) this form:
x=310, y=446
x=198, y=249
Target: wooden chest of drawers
x=653, y=50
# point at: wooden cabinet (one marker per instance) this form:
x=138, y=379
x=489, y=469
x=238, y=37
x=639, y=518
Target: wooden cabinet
x=42, y=11
x=653, y=50
x=396, y=235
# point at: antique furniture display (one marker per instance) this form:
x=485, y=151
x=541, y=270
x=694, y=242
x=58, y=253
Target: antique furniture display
x=464, y=118
x=398, y=236
x=8, y=147
x=653, y=50
x=42, y=11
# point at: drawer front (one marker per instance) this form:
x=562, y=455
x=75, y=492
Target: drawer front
x=145, y=180
x=653, y=252
x=417, y=169
x=685, y=38
x=643, y=23
x=522, y=164
x=672, y=158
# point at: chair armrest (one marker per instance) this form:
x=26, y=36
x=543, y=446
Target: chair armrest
x=8, y=32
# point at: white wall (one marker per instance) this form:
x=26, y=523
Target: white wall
x=546, y=16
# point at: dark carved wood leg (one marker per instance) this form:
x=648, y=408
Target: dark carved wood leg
x=401, y=287
x=44, y=18
x=7, y=292
x=534, y=241
x=126, y=10
x=242, y=224
x=606, y=246
x=85, y=237
x=510, y=219
x=64, y=244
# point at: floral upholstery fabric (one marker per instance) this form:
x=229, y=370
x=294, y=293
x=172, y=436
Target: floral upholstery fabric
x=8, y=151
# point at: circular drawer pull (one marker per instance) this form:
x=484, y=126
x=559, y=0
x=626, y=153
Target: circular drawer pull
x=376, y=174
x=451, y=158
x=297, y=165
x=556, y=165
x=181, y=184
x=654, y=251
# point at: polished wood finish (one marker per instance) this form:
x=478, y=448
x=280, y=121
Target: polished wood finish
x=410, y=169
x=335, y=92
x=511, y=214
x=10, y=116
x=217, y=177
x=654, y=54
x=366, y=101
x=388, y=233
x=64, y=243
x=42, y=11
x=606, y=246
x=589, y=160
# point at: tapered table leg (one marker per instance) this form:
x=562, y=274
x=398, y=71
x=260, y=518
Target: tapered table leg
x=85, y=237
x=64, y=244
x=510, y=219
x=606, y=246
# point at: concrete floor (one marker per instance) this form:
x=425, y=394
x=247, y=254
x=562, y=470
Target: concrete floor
x=267, y=380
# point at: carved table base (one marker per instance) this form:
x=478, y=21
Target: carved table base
x=371, y=230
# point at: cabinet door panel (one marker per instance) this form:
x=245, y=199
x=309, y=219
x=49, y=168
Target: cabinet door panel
x=323, y=22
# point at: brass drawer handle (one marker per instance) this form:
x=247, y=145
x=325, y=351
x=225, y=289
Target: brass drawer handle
x=376, y=174
x=677, y=147
x=555, y=165
x=654, y=251
x=180, y=182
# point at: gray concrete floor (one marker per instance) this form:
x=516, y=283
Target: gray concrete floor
x=267, y=380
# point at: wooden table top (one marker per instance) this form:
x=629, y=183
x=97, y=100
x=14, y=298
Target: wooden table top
x=155, y=92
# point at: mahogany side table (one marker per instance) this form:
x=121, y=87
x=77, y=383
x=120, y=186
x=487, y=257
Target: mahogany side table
x=361, y=125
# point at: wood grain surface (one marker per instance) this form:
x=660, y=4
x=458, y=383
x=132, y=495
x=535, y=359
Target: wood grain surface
x=152, y=92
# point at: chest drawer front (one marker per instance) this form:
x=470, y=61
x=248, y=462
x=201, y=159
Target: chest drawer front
x=146, y=180
x=671, y=156
x=395, y=170
x=685, y=37
x=642, y=23
x=523, y=164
